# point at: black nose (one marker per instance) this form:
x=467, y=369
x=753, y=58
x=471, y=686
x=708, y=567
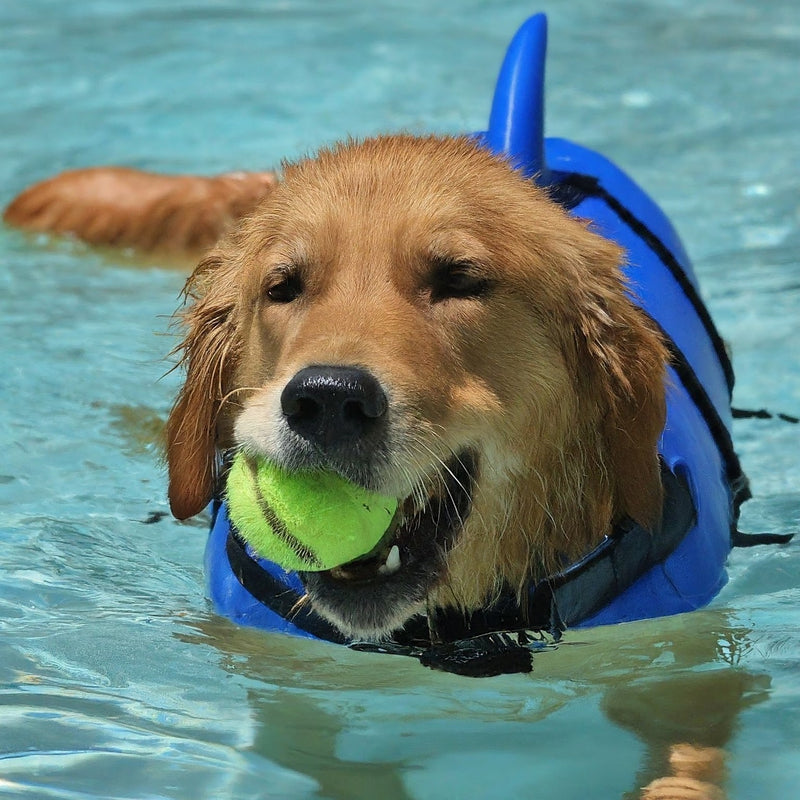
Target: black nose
x=334, y=407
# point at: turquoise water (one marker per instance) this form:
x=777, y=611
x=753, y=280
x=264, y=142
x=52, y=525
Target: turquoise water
x=116, y=680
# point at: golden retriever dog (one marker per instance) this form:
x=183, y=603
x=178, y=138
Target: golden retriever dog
x=418, y=316
x=415, y=315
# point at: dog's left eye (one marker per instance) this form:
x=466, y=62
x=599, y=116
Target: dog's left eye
x=457, y=279
x=284, y=288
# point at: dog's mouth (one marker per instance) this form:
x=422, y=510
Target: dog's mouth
x=375, y=593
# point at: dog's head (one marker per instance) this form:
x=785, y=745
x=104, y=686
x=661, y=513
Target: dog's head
x=415, y=315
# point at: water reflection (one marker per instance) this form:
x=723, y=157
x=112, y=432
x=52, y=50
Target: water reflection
x=601, y=715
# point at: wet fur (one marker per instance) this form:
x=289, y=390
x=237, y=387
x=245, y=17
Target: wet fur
x=178, y=216
x=554, y=377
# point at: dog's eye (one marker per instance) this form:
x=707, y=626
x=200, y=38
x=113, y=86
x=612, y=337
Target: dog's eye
x=284, y=288
x=457, y=279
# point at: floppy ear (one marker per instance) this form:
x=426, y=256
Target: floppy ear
x=623, y=356
x=209, y=350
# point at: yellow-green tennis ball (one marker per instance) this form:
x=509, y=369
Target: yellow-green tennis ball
x=308, y=521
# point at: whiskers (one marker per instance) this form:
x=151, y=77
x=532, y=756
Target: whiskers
x=226, y=399
x=302, y=603
x=422, y=451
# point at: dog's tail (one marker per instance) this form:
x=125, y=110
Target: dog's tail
x=180, y=216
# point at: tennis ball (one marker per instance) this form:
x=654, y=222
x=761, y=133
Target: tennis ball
x=307, y=520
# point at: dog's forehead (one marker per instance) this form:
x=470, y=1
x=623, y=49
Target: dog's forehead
x=423, y=175
x=374, y=195
x=437, y=193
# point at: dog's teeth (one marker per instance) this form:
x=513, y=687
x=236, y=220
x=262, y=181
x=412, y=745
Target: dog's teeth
x=393, y=559
x=392, y=562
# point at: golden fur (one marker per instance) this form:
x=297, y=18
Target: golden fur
x=552, y=375
x=174, y=215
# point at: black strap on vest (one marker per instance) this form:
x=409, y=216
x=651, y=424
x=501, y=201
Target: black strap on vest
x=762, y=413
x=274, y=594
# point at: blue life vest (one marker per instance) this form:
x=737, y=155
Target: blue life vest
x=632, y=574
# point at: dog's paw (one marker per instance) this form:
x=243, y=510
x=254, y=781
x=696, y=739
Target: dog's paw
x=697, y=775
x=701, y=763
x=681, y=788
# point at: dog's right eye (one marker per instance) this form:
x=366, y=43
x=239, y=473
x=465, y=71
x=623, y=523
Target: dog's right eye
x=284, y=288
x=457, y=279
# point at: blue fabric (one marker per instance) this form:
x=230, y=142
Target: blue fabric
x=229, y=597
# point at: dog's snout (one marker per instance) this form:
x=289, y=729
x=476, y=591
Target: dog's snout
x=334, y=406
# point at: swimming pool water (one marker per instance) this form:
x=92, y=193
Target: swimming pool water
x=116, y=680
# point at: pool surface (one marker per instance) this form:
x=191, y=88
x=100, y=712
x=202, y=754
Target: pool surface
x=116, y=679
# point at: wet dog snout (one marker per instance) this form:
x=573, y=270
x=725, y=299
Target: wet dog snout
x=335, y=407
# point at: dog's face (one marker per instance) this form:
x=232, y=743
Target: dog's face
x=416, y=316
